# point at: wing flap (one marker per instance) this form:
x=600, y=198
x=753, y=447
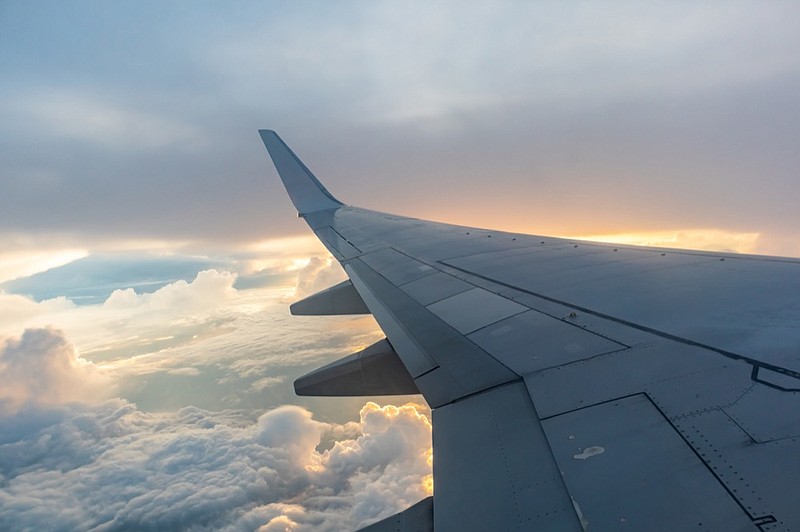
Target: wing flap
x=417, y=518
x=493, y=468
x=614, y=477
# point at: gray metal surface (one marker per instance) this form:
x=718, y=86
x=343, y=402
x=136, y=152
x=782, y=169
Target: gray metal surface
x=435, y=287
x=417, y=518
x=336, y=244
x=396, y=267
x=685, y=363
x=742, y=305
x=627, y=469
x=469, y=311
x=532, y=341
x=445, y=365
x=493, y=469
x=767, y=414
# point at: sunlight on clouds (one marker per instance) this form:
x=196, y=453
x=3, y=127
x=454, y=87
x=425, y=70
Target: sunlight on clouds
x=113, y=466
x=16, y=311
x=208, y=289
x=41, y=367
x=201, y=342
x=698, y=239
x=318, y=274
x=427, y=480
x=16, y=264
x=128, y=322
x=280, y=470
x=287, y=254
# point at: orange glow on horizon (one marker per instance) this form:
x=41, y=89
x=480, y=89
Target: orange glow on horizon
x=698, y=239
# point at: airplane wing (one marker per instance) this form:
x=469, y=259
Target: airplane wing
x=573, y=385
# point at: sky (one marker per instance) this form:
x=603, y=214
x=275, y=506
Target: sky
x=148, y=252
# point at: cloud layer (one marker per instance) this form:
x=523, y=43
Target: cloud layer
x=543, y=117
x=114, y=467
x=76, y=452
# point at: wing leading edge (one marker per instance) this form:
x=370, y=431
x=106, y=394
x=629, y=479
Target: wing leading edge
x=574, y=384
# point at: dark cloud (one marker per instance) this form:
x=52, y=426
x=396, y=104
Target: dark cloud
x=664, y=116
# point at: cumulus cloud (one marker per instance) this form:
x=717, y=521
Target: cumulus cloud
x=318, y=274
x=41, y=367
x=130, y=323
x=202, y=342
x=208, y=289
x=112, y=466
x=16, y=309
x=71, y=456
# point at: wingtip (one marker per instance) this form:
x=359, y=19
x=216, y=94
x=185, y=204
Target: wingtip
x=306, y=192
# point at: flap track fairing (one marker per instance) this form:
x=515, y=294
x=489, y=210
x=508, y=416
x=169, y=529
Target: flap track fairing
x=376, y=370
x=337, y=300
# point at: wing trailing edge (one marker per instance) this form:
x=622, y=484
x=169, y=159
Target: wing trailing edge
x=417, y=518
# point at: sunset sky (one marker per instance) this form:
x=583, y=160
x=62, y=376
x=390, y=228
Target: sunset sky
x=148, y=251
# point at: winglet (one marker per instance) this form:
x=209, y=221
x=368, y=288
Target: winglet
x=306, y=192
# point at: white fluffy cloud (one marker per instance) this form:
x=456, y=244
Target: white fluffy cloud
x=130, y=323
x=209, y=289
x=318, y=274
x=112, y=466
x=41, y=367
x=71, y=458
x=241, y=343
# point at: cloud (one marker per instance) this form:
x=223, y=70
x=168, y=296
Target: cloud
x=111, y=466
x=209, y=289
x=19, y=263
x=318, y=274
x=16, y=309
x=41, y=368
x=129, y=322
x=97, y=119
x=202, y=342
x=693, y=99
x=69, y=454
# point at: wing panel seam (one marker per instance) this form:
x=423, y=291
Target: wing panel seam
x=644, y=328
